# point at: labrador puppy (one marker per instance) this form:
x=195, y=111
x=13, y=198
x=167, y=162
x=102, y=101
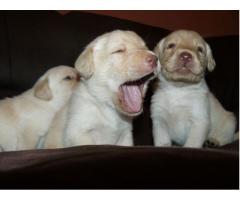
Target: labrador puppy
x=183, y=109
x=26, y=118
x=115, y=69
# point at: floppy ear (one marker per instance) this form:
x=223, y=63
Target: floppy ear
x=42, y=90
x=158, y=50
x=210, y=60
x=84, y=64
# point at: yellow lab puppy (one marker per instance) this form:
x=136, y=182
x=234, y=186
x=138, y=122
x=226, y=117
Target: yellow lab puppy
x=115, y=69
x=183, y=108
x=24, y=119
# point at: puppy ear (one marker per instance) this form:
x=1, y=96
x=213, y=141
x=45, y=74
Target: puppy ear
x=42, y=90
x=84, y=64
x=158, y=50
x=210, y=60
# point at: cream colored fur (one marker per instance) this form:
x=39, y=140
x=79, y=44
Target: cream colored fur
x=183, y=109
x=96, y=114
x=25, y=119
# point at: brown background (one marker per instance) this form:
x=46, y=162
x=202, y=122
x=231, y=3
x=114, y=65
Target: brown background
x=207, y=23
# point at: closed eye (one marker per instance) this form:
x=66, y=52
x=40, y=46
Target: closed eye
x=171, y=46
x=68, y=78
x=119, y=51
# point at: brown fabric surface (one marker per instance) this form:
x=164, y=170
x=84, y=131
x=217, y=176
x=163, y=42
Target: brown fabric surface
x=118, y=167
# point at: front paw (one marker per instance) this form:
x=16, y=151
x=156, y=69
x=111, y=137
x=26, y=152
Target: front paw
x=168, y=144
x=211, y=143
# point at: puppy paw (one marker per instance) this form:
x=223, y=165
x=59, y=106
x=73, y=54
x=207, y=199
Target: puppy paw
x=163, y=144
x=211, y=143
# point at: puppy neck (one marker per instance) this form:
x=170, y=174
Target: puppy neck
x=92, y=90
x=180, y=84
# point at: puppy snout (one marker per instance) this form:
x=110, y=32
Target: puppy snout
x=151, y=60
x=185, y=57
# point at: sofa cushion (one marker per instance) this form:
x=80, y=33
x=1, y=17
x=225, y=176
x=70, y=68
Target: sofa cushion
x=115, y=167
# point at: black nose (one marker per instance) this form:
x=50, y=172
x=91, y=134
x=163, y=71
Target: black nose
x=185, y=57
x=152, y=60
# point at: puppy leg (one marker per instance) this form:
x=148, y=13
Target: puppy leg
x=81, y=139
x=27, y=141
x=126, y=139
x=223, y=124
x=54, y=136
x=200, y=123
x=198, y=134
x=75, y=138
x=8, y=140
x=160, y=132
x=223, y=131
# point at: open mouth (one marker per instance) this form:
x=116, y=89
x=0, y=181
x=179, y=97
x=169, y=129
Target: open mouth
x=132, y=93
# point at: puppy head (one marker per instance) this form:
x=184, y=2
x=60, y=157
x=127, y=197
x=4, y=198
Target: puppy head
x=56, y=84
x=184, y=56
x=121, y=63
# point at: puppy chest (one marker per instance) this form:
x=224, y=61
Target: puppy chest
x=179, y=120
x=107, y=134
x=109, y=128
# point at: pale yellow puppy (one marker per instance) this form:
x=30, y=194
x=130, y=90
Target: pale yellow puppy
x=183, y=109
x=25, y=119
x=115, y=68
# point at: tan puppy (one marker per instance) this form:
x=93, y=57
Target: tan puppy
x=183, y=109
x=116, y=68
x=26, y=118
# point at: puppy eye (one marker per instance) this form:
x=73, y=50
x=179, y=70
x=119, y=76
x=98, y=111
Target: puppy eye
x=68, y=78
x=119, y=51
x=200, y=49
x=171, y=45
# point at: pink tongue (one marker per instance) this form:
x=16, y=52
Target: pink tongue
x=132, y=97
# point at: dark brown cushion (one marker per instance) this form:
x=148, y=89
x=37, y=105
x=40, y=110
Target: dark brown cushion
x=120, y=168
